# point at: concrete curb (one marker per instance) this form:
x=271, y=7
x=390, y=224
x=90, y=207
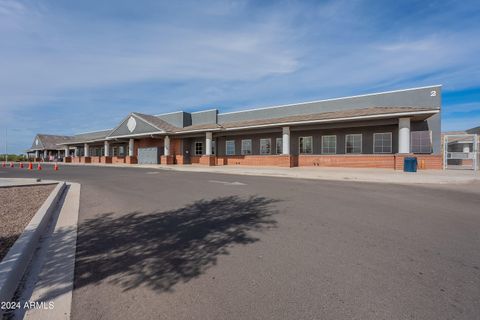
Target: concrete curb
x=390, y=176
x=29, y=184
x=54, y=284
x=14, y=264
x=23, y=182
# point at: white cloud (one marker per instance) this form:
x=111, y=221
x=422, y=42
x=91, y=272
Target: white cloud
x=222, y=52
x=48, y=54
x=10, y=7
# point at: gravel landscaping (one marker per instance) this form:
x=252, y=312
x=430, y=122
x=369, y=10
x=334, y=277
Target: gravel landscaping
x=18, y=206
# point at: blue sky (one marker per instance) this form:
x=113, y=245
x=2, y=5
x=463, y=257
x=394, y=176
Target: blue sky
x=74, y=66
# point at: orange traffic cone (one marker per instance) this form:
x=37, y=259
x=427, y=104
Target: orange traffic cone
x=12, y=165
x=30, y=166
x=55, y=167
x=39, y=167
x=21, y=165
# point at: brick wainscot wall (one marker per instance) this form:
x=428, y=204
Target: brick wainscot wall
x=387, y=161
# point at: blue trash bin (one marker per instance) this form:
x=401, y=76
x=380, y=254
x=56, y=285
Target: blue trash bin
x=410, y=164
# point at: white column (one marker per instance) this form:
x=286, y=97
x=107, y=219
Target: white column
x=166, y=146
x=86, y=150
x=45, y=155
x=404, y=135
x=466, y=148
x=66, y=151
x=130, y=147
x=37, y=154
x=286, y=140
x=208, y=144
x=106, y=149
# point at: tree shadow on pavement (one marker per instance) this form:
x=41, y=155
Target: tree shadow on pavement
x=160, y=249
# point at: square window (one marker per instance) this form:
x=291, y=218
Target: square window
x=230, y=147
x=382, y=142
x=266, y=146
x=421, y=142
x=246, y=147
x=305, y=145
x=198, y=148
x=353, y=143
x=329, y=144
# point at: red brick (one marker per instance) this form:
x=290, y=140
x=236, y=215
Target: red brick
x=350, y=161
x=208, y=160
x=131, y=160
x=118, y=159
x=195, y=159
x=257, y=160
x=95, y=159
x=167, y=159
x=105, y=159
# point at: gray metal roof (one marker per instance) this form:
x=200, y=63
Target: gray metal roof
x=91, y=136
x=426, y=99
x=157, y=122
x=353, y=114
x=87, y=137
x=362, y=113
x=199, y=127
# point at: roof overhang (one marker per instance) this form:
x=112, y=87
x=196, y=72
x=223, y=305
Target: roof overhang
x=42, y=149
x=80, y=142
x=199, y=130
x=423, y=114
x=136, y=135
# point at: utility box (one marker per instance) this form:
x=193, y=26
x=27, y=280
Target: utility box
x=410, y=164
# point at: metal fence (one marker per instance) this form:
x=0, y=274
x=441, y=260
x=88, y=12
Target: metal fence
x=461, y=151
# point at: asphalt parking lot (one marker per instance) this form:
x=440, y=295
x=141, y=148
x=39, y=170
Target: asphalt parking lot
x=158, y=244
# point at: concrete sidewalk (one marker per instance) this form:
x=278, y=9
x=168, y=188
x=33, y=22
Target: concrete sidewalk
x=326, y=173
